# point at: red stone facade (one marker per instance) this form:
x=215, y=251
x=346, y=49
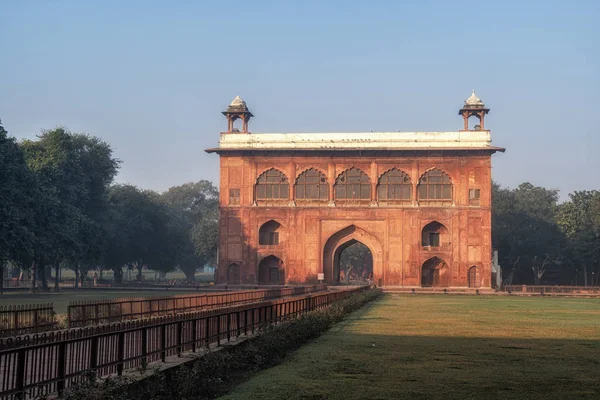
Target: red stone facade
x=307, y=236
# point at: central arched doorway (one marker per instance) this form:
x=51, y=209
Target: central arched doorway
x=342, y=240
x=434, y=273
x=353, y=263
x=271, y=271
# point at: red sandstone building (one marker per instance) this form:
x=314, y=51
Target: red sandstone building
x=420, y=201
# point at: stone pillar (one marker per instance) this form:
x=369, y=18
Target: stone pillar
x=331, y=182
x=374, y=178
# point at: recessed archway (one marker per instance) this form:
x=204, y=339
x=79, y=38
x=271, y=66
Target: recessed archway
x=233, y=274
x=435, y=273
x=353, y=263
x=473, y=277
x=271, y=271
x=342, y=240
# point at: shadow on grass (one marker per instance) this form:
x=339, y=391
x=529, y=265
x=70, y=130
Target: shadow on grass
x=371, y=366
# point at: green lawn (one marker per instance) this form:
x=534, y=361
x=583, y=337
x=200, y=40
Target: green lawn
x=61, y=299
x=446, y=347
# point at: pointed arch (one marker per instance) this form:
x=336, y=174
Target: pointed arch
x=272, y=184
x=435, y=273
x=435, y=234
x=268, y=233
x=344, y=238
x=312, y=186
x=233, y=274
x=394, y=186
x=271, y=271
x=473, y=277
x=353, y=185
x=435, y=188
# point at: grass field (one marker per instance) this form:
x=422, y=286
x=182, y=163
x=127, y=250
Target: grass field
x=61, y=299
x=446, y=347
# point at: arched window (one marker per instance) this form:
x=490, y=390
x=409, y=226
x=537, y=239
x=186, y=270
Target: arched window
x=394, y=186
x=312, y=185
x=268, y=234
x=272, y=185
x=434, y=234
x=352, y=184
x=435, y=188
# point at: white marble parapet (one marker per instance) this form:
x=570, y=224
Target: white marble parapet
x=368, y=140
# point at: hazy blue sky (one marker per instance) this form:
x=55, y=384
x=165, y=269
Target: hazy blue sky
x=151, y=77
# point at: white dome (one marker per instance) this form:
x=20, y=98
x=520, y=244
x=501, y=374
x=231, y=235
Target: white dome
x=473, y=100
x=238, y=102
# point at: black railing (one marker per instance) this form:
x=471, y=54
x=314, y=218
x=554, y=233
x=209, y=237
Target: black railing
x=94, y=312
x=37, y=365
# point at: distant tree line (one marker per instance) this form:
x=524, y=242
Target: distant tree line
x=542, y=241
x=59, y=207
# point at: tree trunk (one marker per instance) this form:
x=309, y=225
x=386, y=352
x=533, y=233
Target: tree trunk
x=57, y=274
x=43, y=281
x=190, y=274
x=139, y=268
x=585, y=275
x=32, y=278
x=537, y=277
x=82, y=275
x=118, y=274
x=76, y=276
x=1, y=276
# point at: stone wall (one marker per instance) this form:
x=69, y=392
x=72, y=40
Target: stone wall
x=392, y=233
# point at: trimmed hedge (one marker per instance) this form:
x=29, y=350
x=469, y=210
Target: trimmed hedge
x=215, y=373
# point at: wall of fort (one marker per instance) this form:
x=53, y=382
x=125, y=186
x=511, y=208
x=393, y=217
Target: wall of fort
x=310, y=231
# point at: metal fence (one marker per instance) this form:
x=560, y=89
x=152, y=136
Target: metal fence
x=35, y=366
x=22, y=319
x=94, y=312
x=552, y=289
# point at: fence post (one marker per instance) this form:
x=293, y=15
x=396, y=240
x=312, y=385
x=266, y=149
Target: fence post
x=94, y=353
x=20, y=378
x=121, y=353
x=207, y=328
x=179, y=333
x=194, y=334
x=219, y=330
x=35, y=320
x=144, y=346
x=163, y=342
x=16, y=322
x=228, y=326
x=62, y=349
x=246, y=322
x=253, y=312
x=237, y=322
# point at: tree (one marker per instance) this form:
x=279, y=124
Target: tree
x=138, y=232
x=72, y=173
x=17, y=195
x=579, y=220
x=194, y=208
x=524, y=229
x=357, y=259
